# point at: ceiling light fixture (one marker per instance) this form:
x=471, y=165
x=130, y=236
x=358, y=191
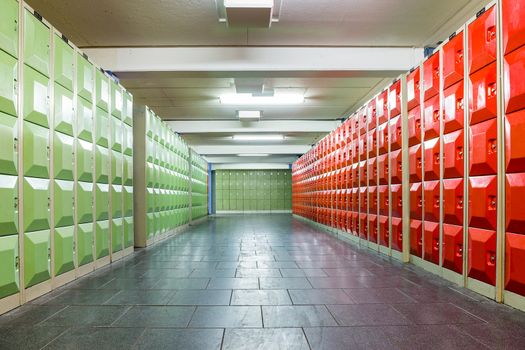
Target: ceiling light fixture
x=250, y=100
x=253, y=155
x=249, y=115
x=258, y=137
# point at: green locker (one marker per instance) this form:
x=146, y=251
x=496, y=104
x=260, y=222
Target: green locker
x=84, y=202
x=128, y=108
x=116, y=134
x=64, y=255
x=116, y=168
x=84, y=161
x=129, y=237
x=8, y=83
x=116, y=198
x=128, y=200
x=36, y=204
x=102, y=201
x=9, y=27
x=101, y=164
x=84, y=120
x=117, y=235
x=149, y=123
x=156, y=177
x=150, y=175
x=36, y=97
x=116, y=100
x=158, y=200
x=36, y=151
x=37, y=257
x=156, y=128
x=63, y=205
x=150, y=218
x=84, y=77
x=64, y=65
x=102, y=239
x=158, y=223
x=8, y=205
x=127, y=176
x=151, y=200
x=85, y=243
x=36, y=43
x=64, y=111
x=8, y=151
x=150, y=150
x=63, y=156
x=9, y=260
x=127, y=137
x=102, y=90
x=102, y=128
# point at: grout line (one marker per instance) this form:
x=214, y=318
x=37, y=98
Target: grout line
x=306, y=338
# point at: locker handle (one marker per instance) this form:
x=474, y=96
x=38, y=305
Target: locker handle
x=17, y=263
x=459, y=56
x=15, y=144
x=16, y=203
x=491, y=90
x=460, y=105
x=491, y=33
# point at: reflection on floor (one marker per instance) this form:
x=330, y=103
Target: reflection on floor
x=260, y=282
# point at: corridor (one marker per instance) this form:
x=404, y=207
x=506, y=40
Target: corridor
x=260, y=282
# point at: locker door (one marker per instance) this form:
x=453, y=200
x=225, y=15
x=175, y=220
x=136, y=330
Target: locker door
x=453, y=154
x=453, y=248
x=482, y=40
x=483, y=94
x=64, y=254
x=117, y=235
x=514, y=71
x=102, y=200
x=84, y=120
x=431, y=76
x=36, y=151
x=36, y=97
x=84, y=202
x=483, y=202
x=102, y=239
x=416, y=238
x=101, y=164
x=37, y=257
x=453, y=201
x=102, y=90
x=9, y=27
x=84, y=161
x=85, y=243
x=8, y=151
x=432, y=201
x=102, y=128
x=432, y=111
x=8, y=205
x=432, y=242
x=36, y=43
x=514, y=259
x=63, y=156
x=8, y=82
x=454, y=107
x=128, y=232
x=63, y=206
x=85, y=80
x=36, y=204
x=453, y=60
x=414, y=126
x=64, y=64
x=515, y=213
x=116, y=100
x=9, y=274
x=482, y=255
x=413, y=89
x=483, y=148
x=432, y=159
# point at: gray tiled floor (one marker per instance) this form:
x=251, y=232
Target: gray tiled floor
x=260, y=282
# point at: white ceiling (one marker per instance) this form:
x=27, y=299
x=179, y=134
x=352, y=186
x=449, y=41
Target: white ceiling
x=194, y=95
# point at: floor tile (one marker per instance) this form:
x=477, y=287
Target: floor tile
x=182, y=283
x=442, y=313
x=201, y=297
x=96, y=338
x=320, y=297
x=86, y=316
x=156, y=316
x=234, y=283
x=140, y=297
x=297, y=316
x=194, y=339
x=265, y=339
x=303, y=273
x=379, y=296
x=367, y=315
x=28, y=337
x=227, y=317
x=284, y=283
x=260, y=297
x=258, y=273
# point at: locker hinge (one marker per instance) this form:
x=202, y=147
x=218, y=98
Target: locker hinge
x=480, y=12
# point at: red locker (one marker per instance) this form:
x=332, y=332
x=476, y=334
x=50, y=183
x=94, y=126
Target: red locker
x=363, y=199
x=372, y=143
x=453, y=248
x=363, y=118
x=453, y=60
x=453, y=154
x=483, y=202
x=397, y=200
x=415, y=163
x=372, y=199
x=396, y=167
x=483, y=148
x=363, y=226
x=513, y=12
x=372, y=228
x=394, y=99
x=432, y=113
x=382, y=138
x=414, y=126
x=397, y=234
x=349, y=200
x=432, y=201
x=355, y=175
x=416, y=238
x=514, y=80
x=515, y=200
x=453, y=201
x=483, y=94
x=413, y=89
x=382, y=107
x=349, y=222
x=454, y=109
x=363, y=147
x=384, y=235
x=432, y=159
x=354, y=126
x=482, y=255
x=431, y=76
x=363, y=180
x=482, y=40
x=431, y=242
x=514, y=145
x=382, y=169
x=416, y=201
x=396, y=134
x=371, y=115
x=383, y=200
x=355, y=221
x=515, y=263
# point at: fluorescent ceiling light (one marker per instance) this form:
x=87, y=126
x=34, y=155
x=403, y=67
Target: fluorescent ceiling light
x=249, y=3
x=253, y=155
x=258, y=137
x=249, y=115
x=248, y=99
